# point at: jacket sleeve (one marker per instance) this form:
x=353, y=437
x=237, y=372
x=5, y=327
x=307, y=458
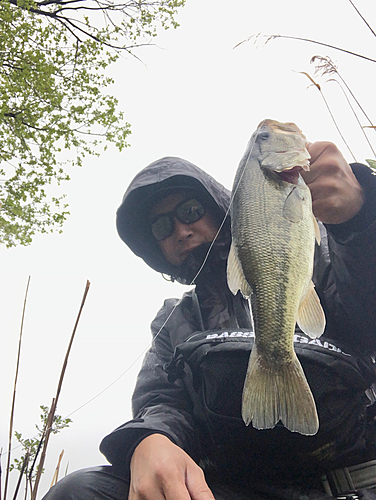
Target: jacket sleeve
x=158, y=406
x=345, y=271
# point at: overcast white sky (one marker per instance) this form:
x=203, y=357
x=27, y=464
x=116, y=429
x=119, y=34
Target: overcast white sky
x=195, y=97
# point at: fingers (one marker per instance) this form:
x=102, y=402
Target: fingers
x=190, y=486
x=160, y=470
x=336, y=193
x=197, y=486
x=164, y=484
x=325, y=156
x=170, y=483
x=316, y=149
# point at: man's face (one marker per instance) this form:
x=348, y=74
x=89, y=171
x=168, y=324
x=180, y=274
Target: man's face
x=185, y=237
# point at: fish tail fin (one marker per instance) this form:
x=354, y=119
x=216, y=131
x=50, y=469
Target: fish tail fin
x=272, y=394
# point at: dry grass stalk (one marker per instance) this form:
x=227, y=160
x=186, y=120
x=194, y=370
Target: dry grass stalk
x=14, y=393
x=51, y=414
x=1, y=454
x=300, y=39
x=325, y=66
x=56, y=473
x=356, y=116
x=363, y=18
x=330, y=112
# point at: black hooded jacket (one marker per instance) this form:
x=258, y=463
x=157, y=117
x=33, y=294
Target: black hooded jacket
x=189, y=387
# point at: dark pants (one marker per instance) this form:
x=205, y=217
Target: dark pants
x=102, y=483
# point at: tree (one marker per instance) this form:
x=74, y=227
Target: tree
x=53, y=57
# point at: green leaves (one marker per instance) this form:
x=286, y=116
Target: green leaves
x=31, y=447
x=54, y=107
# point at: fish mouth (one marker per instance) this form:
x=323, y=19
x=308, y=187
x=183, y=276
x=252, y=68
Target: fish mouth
x=290, y=175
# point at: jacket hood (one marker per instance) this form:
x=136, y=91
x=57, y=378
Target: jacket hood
x=164, y=175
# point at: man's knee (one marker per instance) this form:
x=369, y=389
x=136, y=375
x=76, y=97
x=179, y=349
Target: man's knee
x=95, y=483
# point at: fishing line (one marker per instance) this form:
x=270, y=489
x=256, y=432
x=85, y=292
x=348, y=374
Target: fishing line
x=252, y=143
x=235, y=188
x=253, y=139
x=251, y=146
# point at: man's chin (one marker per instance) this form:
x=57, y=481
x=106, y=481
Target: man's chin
x=189, y=268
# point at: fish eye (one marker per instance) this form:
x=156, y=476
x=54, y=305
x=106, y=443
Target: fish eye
x=264, y=135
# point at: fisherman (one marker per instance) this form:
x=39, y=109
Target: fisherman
x=187, y=439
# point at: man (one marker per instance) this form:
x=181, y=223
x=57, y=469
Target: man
x=187, y=439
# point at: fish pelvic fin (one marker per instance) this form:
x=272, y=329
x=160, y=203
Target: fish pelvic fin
x=278, y=393
x=311, y=317
x=235, y=276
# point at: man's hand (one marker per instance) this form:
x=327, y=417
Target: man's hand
x=160, y=470
x=336, y=194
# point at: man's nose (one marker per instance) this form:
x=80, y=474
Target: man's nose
x=182, y=231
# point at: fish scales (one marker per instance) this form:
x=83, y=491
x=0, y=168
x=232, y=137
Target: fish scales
x=273, y=231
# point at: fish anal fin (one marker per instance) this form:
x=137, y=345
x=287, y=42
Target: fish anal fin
x=235, y=276
x=293, y=207
x=311, y=317
x=278, y=393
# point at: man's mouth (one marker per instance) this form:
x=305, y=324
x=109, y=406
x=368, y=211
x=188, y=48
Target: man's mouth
x=187, y=251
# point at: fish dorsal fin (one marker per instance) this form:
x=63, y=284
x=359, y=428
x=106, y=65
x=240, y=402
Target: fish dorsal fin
x=293, y=207
x=317, y=230
x=235, y=276
x=311, y=317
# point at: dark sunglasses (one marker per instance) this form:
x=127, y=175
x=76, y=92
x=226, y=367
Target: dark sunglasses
x=187, y=212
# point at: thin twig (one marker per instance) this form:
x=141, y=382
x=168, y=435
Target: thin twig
x=14, y=393
x=49, y=423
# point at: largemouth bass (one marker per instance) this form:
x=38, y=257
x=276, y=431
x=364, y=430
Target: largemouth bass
x=271, y=255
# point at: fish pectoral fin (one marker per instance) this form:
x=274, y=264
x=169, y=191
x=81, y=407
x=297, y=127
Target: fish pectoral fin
x=293, y=207
x=311, y=317
x=275, y=393
x=317, y=230
x=235, y=276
